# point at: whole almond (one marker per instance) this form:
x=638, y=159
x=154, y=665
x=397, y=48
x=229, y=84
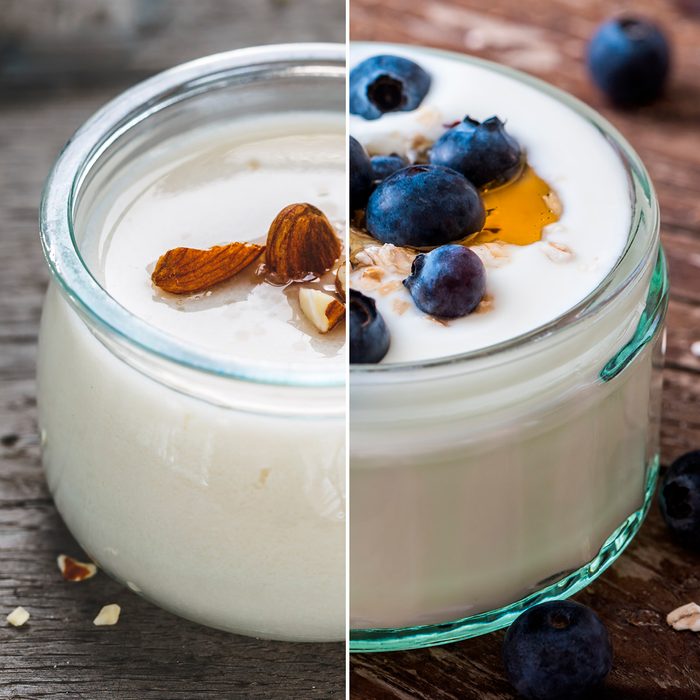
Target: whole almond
x=187, y=270
x=301, y=242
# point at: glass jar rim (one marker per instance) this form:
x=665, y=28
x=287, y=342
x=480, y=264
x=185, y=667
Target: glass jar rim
x=83, y=150
x=593, y=303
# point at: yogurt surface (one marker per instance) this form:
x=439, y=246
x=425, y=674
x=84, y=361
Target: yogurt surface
x=212, y=186
x=527, y=286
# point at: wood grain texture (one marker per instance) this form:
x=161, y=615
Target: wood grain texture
x=150, y=654
x=548, y=38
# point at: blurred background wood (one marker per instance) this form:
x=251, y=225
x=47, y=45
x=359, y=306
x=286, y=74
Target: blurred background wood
x=548, y=38
x=64, y=42
x=45, y=94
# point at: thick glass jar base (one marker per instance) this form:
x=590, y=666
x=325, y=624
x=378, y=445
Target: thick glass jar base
x=378, y=640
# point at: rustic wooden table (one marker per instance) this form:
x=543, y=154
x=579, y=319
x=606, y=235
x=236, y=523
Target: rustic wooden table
x=150, y=653
x=548, y=38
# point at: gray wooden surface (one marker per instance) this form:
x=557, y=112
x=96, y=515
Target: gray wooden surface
x=150, y=653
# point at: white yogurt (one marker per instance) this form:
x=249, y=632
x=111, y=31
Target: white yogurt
x=478, y=482
x=529, y=288
x=220, y=499
x=211, y=187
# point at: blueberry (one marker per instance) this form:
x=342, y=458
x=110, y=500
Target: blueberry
x=361, y=175
x=483, y=152
x=447, y=282
x=557, y=650
x=629, y=60
x=383, y=166
x=369, y=336
x=386, y=84
x=424, y=205
x=679, y=499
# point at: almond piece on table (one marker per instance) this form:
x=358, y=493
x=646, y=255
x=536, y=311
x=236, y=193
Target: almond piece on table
x=323, y=310
x=301, y=242
x=687, y=617
x=74, y=570
x=188, y=270
x=108, y=615
x=18, y=617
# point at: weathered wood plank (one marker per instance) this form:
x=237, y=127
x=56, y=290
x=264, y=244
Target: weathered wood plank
x=683, y=324
x=680, y=426
x=147, y=653
x=683, y=258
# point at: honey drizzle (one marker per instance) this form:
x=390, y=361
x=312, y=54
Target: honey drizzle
x=518, y=211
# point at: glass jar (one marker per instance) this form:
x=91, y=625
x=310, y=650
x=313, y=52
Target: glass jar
x=213, y=487
x=484, y=483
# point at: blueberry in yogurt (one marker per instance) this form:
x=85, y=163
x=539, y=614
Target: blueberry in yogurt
x=369, y=336
x=424, y=206
x=361, y=175
x=484, y=152
x=447, y=282
x=383, y=166
x=629, y=60
x=382, y=84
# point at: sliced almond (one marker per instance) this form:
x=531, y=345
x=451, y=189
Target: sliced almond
x=18, y=617
x=323, y=310
x=74, y=570
x=108, y=615
x=341, y=280
x=188, y=270
x=301, y=242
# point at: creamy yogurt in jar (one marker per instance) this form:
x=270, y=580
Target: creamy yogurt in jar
x=508, y=456
x=195, y=443
x=527, y=285
x=212, y=186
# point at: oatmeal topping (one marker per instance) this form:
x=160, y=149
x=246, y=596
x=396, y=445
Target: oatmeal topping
x=687, y=617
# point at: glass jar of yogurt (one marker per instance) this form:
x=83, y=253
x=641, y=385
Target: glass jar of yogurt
x=195, y=446
x=508, y=457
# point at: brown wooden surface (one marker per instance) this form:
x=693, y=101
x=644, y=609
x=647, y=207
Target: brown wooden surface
x=150, y=654
x=548, y=38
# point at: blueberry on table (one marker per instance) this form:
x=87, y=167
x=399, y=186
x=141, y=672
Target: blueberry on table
x=629, y=60
x=557, y=651
x=447, y=282
x=383, y=84
x=369, y=336
x=484, y=152
x=383, y=166
x=361, y=175
x=679, y=499
x=424, y=205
